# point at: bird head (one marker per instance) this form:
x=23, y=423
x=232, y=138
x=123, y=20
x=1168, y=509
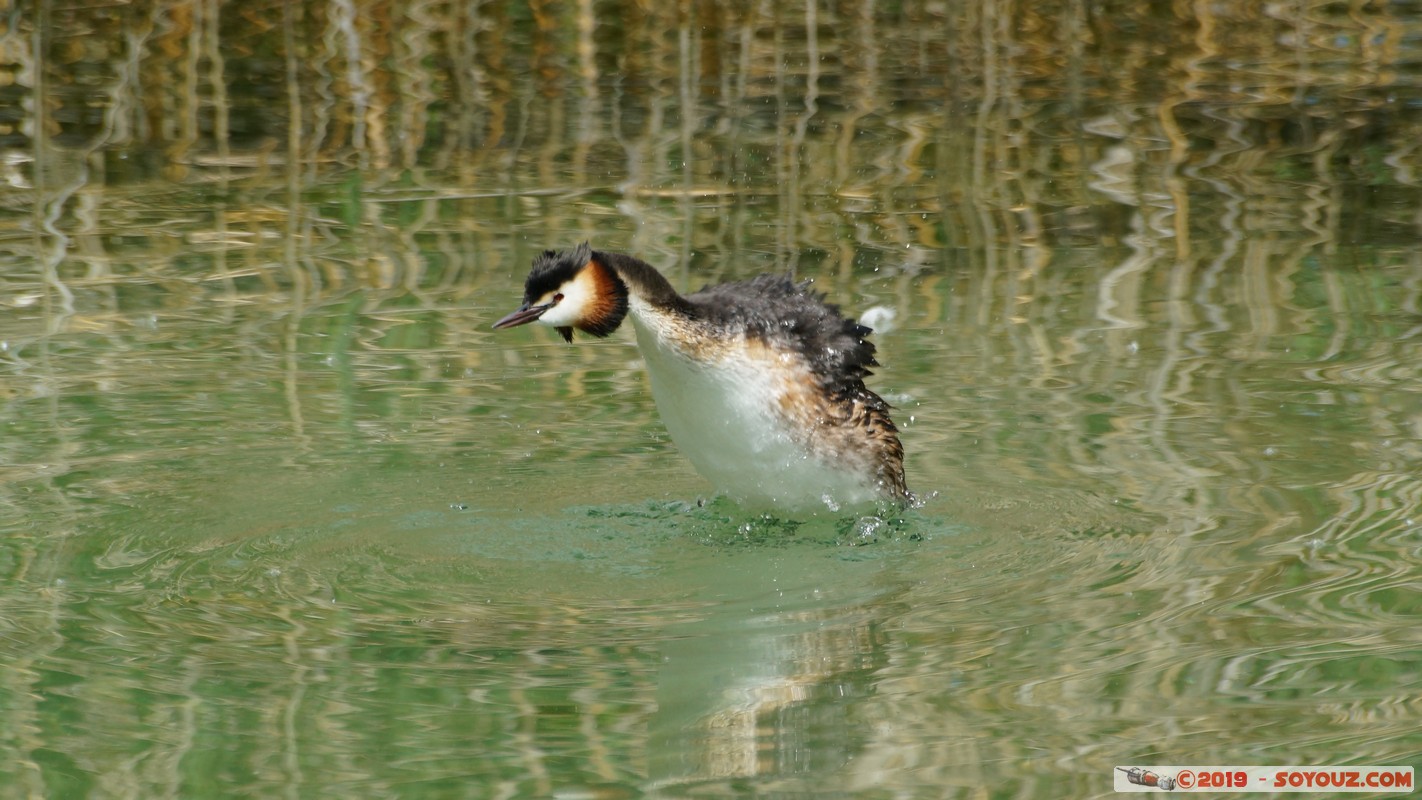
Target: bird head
x=571, y=289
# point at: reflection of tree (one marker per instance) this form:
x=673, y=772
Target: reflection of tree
x=1115, y=222
x=795, y=91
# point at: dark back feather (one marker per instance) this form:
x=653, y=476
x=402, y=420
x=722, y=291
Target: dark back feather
x=789, y=314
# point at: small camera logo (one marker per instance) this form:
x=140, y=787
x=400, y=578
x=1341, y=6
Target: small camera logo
x=1143, y=777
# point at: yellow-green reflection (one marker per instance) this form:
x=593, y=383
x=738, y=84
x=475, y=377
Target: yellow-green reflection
x=281, y=515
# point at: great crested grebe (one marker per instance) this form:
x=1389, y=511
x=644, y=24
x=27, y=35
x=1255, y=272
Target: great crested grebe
x=759, y=382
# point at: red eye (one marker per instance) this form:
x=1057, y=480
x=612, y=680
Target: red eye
x=557, y=298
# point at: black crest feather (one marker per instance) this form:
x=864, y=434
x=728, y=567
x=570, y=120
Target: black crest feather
x=553, y=268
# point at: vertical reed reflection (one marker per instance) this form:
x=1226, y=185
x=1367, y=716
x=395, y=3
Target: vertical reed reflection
x=1155, y=276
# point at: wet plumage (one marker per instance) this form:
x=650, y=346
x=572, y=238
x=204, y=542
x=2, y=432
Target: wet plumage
x=759, y=382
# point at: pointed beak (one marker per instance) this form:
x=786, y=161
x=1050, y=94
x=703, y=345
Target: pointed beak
x=524, y=315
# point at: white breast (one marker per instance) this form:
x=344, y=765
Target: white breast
x=723, y=411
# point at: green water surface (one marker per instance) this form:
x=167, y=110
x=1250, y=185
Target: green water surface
x=281, y=515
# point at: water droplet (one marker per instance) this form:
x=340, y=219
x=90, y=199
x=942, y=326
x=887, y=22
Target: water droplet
x=866, y=530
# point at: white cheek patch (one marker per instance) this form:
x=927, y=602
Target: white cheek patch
x=577, y=299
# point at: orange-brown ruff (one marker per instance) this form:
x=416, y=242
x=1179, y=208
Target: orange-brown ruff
x=759, y=382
